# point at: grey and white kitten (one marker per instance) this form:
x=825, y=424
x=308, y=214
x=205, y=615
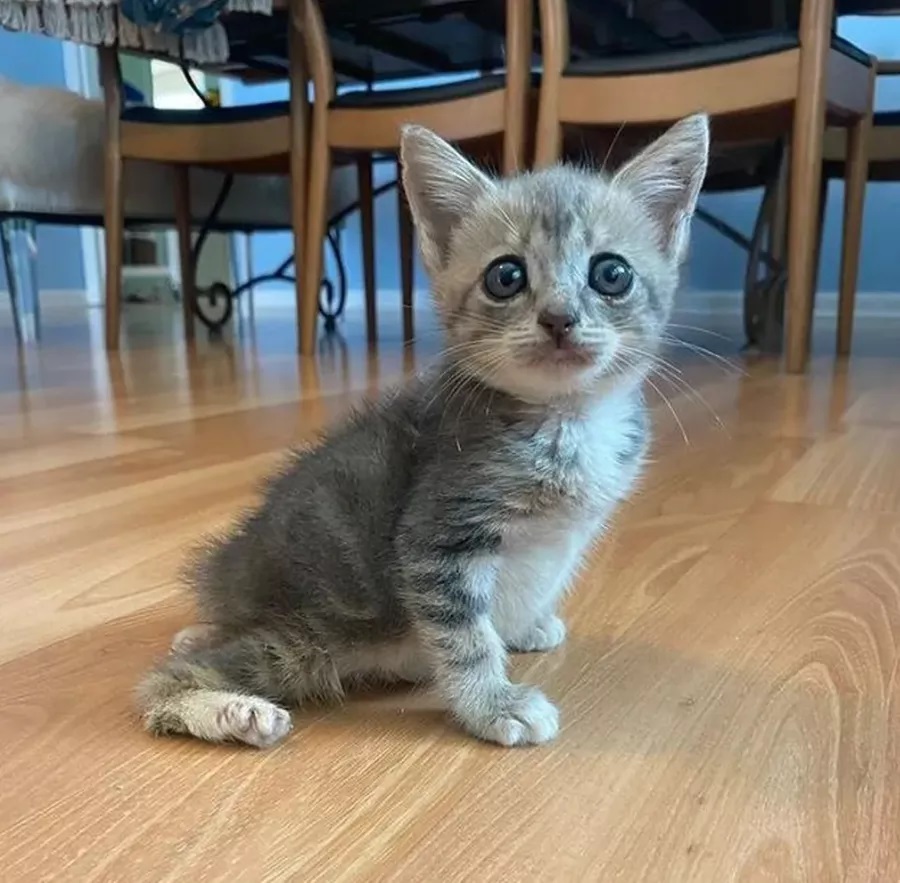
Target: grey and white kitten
x=435, y=531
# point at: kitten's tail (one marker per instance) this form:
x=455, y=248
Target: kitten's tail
x=227, y=690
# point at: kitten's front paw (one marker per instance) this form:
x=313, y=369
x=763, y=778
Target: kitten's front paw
x=523, y=717
x=254, y=721
x=545, y=634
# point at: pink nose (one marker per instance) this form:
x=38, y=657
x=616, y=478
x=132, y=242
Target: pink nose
x=557, y=325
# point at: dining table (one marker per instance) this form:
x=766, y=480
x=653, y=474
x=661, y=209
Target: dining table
x=379, y=40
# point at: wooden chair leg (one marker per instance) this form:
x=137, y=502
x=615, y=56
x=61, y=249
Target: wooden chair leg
x=185, y=247
x=113, y=226
x=407, y=264
x=299, y=153
x=113, y=205
x=367, y=225
x=856, y=174
x=802, y=249
x=805, y=182
x=318, y=59
x=316, y=224
x=548, y=136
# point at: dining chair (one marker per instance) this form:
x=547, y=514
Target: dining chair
x=361, y=124
x=884, y=165
x=269, y=137
x=789, y=80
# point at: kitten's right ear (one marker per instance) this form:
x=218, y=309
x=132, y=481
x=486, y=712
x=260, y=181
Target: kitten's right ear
x=441, y=185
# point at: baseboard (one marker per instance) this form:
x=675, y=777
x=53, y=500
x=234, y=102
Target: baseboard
x=869, y=304
x=53, y=297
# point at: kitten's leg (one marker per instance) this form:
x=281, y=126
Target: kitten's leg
x=228, y=692
x=547, y=633
x=451, y=612
x=530, y=584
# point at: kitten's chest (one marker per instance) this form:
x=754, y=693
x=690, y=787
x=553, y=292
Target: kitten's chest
x=586, y=464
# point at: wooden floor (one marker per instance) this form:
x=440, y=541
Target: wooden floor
x=730, y=692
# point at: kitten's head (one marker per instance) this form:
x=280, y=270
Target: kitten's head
x=561, y=281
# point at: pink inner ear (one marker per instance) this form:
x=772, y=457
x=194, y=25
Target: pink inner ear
x=667, y=176
x=441, y=186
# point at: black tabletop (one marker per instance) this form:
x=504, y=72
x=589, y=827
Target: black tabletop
x=380, y=40
x=383, y=39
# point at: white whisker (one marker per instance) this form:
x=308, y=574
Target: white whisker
x=609, y=149
x=668, y=404
x=706, y=354
x=700, y=330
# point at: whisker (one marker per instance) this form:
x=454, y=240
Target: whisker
x=483, y=321
x=665, y=370
x=611, y=147
x=477, y=389
x=489, y=365
x=446, y=381
x=692, y=393
x=700, y=330
x=668, y=404
x=707, y=354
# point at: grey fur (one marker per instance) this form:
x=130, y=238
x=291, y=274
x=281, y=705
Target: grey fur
x=436, y=529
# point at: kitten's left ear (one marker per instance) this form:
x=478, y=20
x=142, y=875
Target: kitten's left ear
x=667, y=176
x=441, y=186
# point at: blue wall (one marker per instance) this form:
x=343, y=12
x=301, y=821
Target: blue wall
x=717, y=264
x=879, y=268
x=38, y=61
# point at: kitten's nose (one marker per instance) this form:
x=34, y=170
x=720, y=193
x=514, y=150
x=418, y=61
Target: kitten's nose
x=557, y=325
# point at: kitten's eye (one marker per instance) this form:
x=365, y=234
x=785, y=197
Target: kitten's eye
x=505, y=277
x=610, y=275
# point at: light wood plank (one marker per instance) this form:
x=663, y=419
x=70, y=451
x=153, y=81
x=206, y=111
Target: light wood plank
x=857, y=469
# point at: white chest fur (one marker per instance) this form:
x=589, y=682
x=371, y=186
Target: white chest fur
x=584, y=467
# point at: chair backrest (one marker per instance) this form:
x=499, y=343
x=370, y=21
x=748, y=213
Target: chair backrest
x=518, y=48
x=211, y=135
x=735, y=75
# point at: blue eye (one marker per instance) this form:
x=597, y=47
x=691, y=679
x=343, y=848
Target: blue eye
x=610, y=275
x=505, y=278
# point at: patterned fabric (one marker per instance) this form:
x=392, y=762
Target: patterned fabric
x=173, y=16
x=183, y=29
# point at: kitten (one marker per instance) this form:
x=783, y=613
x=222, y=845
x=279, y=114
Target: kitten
x=436, y=530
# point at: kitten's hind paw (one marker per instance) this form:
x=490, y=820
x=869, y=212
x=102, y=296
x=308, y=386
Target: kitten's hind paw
x=524, y=717
x=545, y=634
x=255, y=721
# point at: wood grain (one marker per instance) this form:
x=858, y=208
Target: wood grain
x=729, y=692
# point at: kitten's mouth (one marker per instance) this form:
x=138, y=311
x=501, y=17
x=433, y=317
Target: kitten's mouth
x=568, y=355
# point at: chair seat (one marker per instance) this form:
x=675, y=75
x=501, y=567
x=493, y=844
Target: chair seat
x=245, y=139
x=707, y=55
x=884, y=148
x=420, y=95
x=210, y=116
